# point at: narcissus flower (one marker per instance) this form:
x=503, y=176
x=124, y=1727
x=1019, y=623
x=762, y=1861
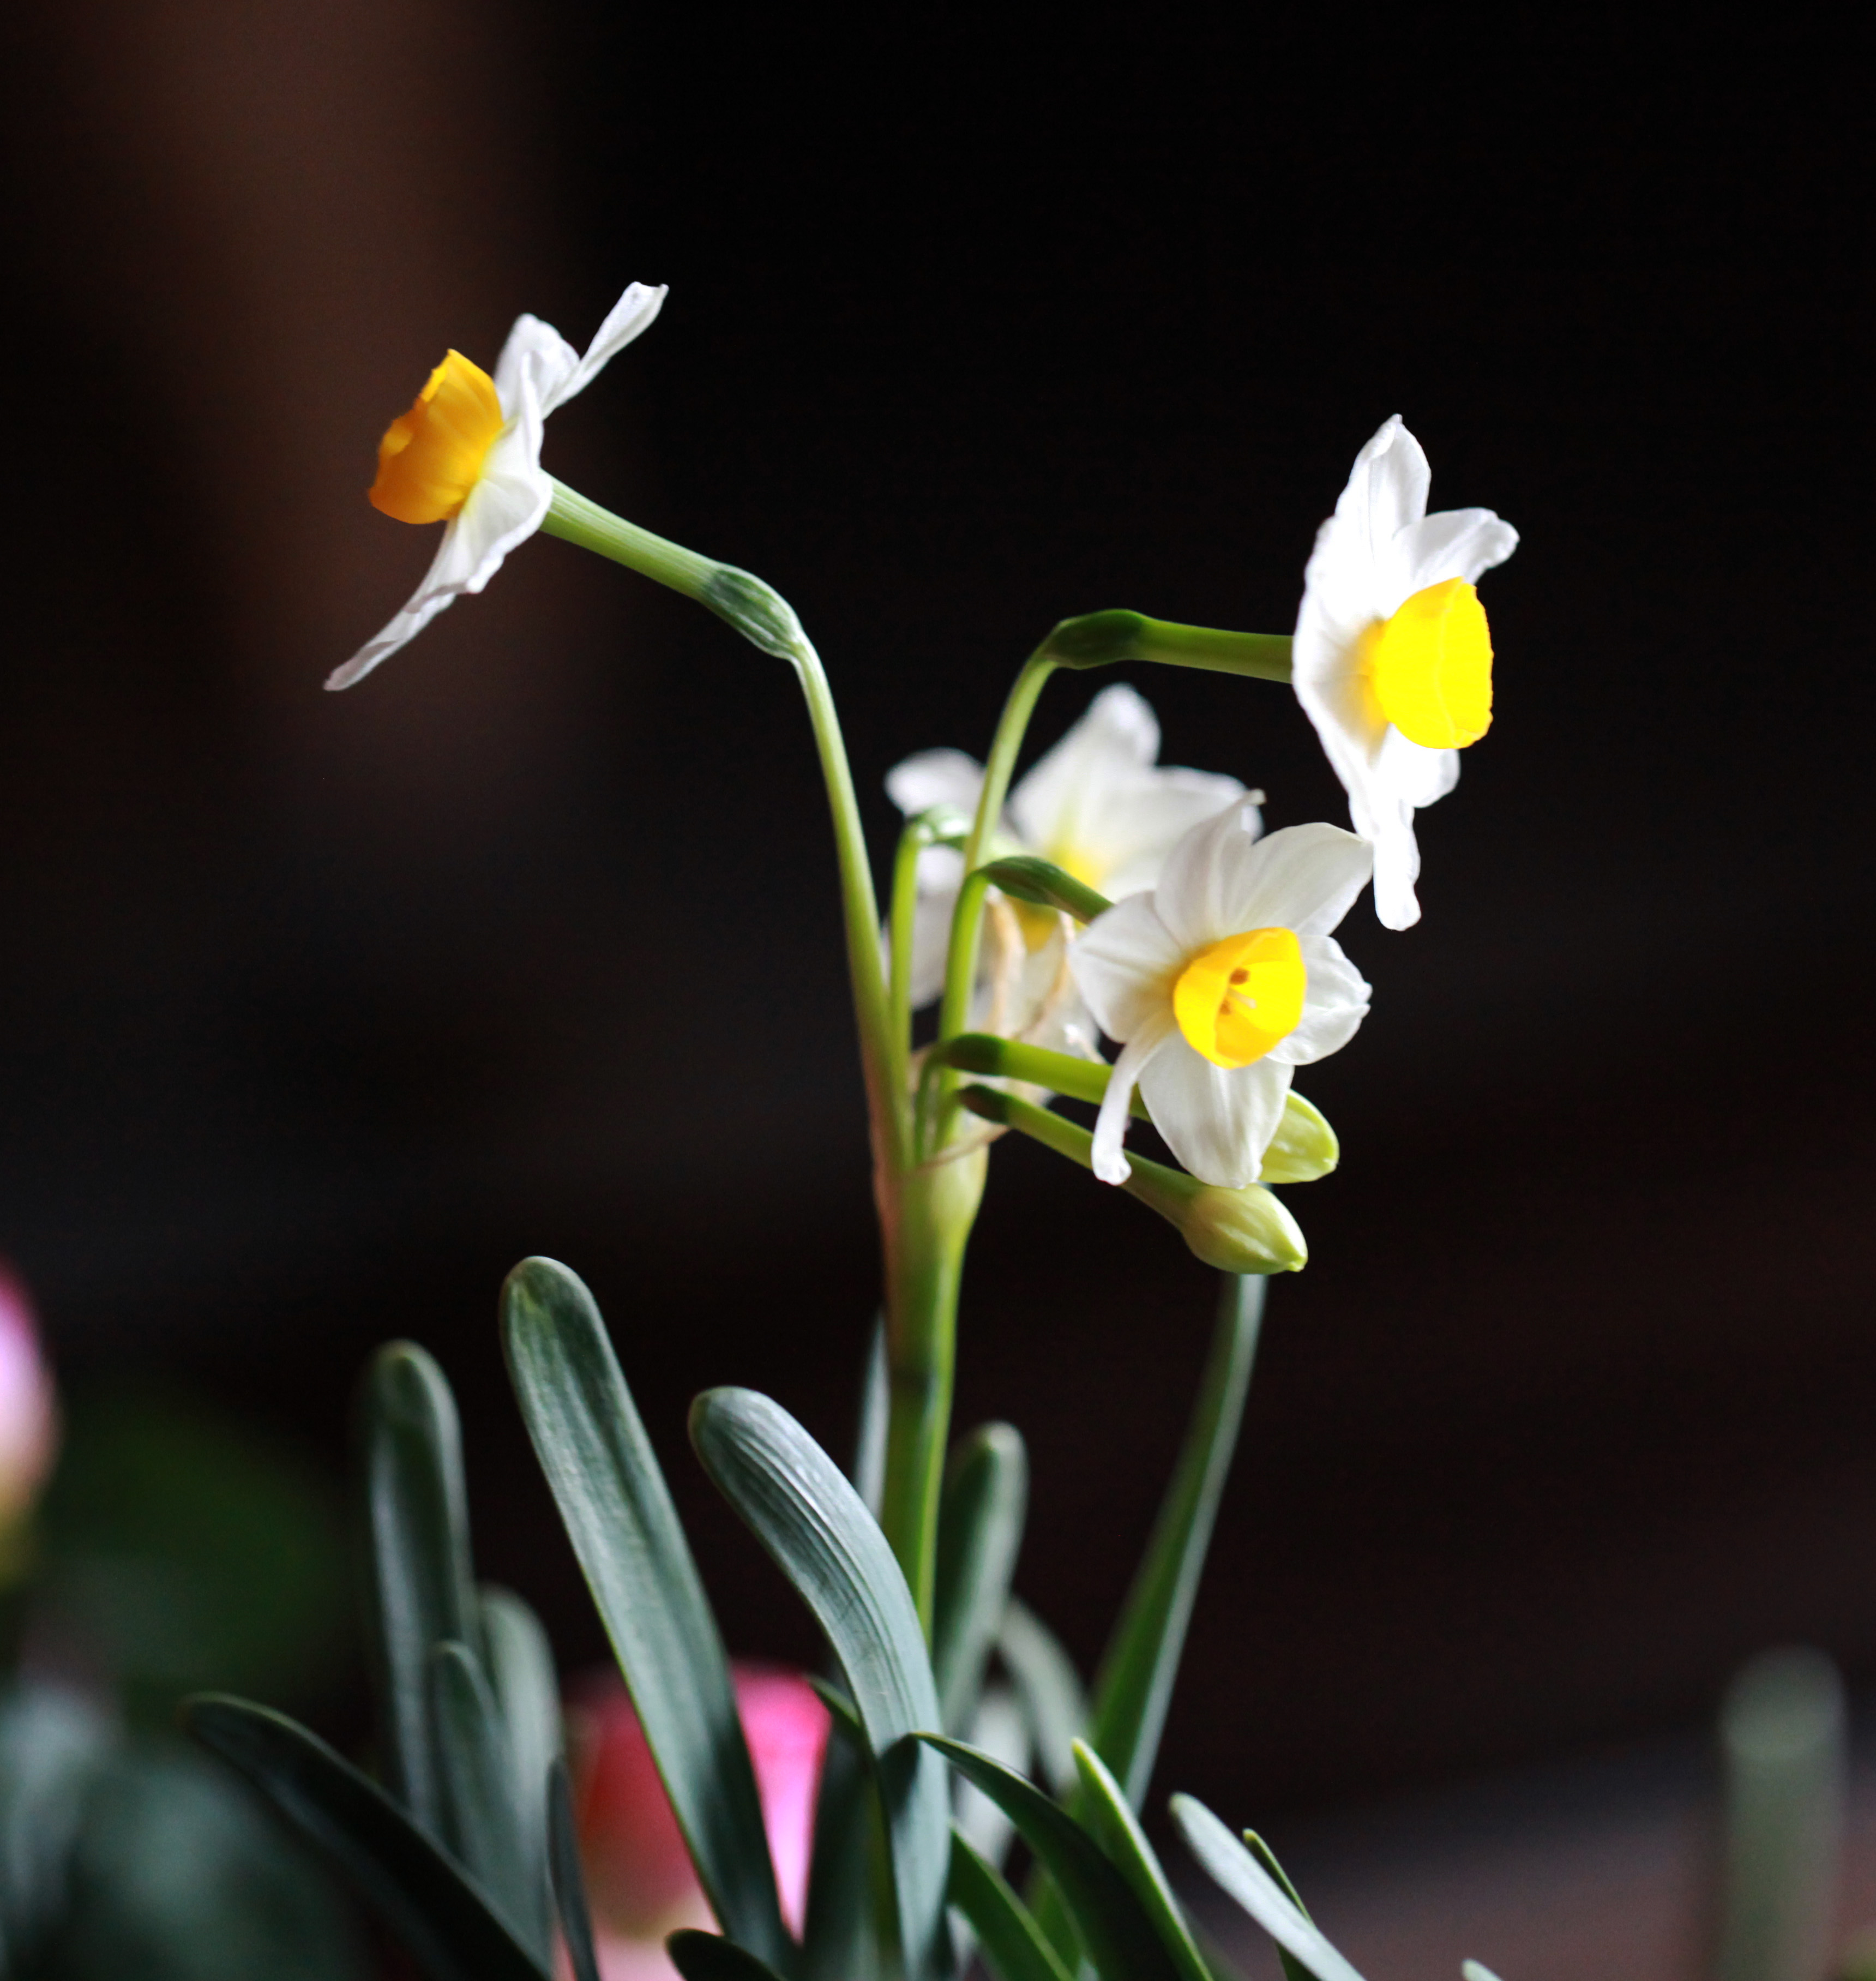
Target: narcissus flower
x=1097, y=805
x=638, y=1875
x=1392, y=658
x=468, y=455
x=1219, y=982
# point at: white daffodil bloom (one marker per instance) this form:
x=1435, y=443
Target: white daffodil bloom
x=1219, y=984
x=1392, y=658
x=1097, y=805
x=468, y=455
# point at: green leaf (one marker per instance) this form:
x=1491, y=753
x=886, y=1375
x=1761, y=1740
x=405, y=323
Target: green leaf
x=434, y=1907
x=481, y=1823
x=618, y=1513
x=418, y=1587
x=1048, y=1688
x=1241, y=1877
x=1114, y=1929
x=1293, y=1970
x=1011, y=1942
x=1119, y=1834
x=570, y=1897
x=1044, y=885
x=707, y=1956
x=520, y=1669
x=1135, y=1680
x=986, y=1494
x=801, y=1507
x=841, y=1938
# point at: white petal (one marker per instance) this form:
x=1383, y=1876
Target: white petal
x=1110, y=1124
x=1334, y=1005
x=1124, y=965
x=510, y=501
x=1388, y=489
x=1203, y=877
x=934, y=777
x=940, y=870
x=440, y=586
x=535, y=351
x=1305, y=877
x=1119, y=734
x=1414, y=773
x=1127, y=849
x=1397, y=866
x=1456, y=543
x=632, y=315
x=1218, y=1123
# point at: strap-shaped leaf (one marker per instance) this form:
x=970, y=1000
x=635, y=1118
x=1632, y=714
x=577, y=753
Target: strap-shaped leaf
x=1293, y=1968
x=418, y=1588
x=1135, y=1684
x=987, y=1495
x=618, y=1513
x=521, y=1674
x=450, y=1926
x=1119, y=1833
x=480, y=1821
x=1045, y=885
x=801, y=1507
x=1049, y=1688
x=1010, y=1941
x=570, y=1897
x=707, y=1956
x=1113, y=1928
x=1239, y=1874
x=841, y=1938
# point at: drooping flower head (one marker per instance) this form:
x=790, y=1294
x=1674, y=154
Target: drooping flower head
x=468, y=455
x=1392, y=657
x=1099, y=805
x=1219, y=984
x=638, y=1875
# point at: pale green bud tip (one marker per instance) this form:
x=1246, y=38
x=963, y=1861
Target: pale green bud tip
x=1245, y=1230
x=757, y=610
x=1305, y=1145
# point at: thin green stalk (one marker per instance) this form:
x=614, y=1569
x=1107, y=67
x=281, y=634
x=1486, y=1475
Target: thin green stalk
x=967, y=919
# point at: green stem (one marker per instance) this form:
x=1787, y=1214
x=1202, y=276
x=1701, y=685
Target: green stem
x=1100, y=639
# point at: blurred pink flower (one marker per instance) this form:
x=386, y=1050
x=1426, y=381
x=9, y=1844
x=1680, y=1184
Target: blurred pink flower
x=639, y=1876
x=28, y=1406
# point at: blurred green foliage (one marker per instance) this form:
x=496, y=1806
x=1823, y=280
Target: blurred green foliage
x=181, y=1551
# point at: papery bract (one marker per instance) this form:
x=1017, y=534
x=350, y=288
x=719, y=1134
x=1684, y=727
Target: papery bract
x=638, y=1875
x=506, y=494
x=1391, y=658
x=1174, y=975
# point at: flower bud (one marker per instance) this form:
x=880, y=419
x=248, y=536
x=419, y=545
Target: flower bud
x=28, y=1416
x=1246, y=1230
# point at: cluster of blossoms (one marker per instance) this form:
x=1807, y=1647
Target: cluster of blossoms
x=1215, y=969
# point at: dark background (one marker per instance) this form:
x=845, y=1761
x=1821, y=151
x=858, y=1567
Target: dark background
x=317, y=1012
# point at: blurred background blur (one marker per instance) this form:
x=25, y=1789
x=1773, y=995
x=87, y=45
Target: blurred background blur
x=317, y=1012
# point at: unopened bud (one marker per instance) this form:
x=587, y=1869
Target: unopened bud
x=1246, y=1230
x=1304, y=1146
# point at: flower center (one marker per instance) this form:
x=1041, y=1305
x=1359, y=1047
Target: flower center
x=1236, y=999
x=1430, y=666
x=431, y=458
